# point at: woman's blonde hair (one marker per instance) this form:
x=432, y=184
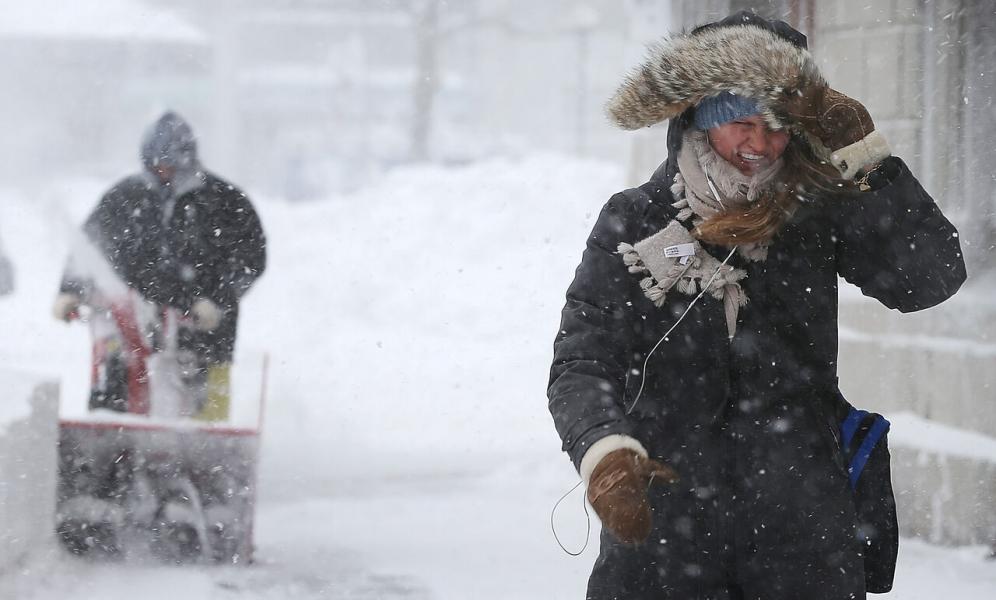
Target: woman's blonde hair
x=803, y=174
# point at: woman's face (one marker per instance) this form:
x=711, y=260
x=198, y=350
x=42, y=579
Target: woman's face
x=748, y=143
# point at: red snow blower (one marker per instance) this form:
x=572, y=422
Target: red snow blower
x=143, y=474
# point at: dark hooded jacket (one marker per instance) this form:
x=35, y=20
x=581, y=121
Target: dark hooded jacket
x=750, y=424
x=196, y=237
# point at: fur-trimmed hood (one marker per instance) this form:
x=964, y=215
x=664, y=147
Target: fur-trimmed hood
x=743, y=54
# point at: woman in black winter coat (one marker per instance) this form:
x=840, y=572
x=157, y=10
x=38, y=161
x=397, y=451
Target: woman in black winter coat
x=694, y=380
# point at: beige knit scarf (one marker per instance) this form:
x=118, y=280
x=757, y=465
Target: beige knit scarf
x=672, y=258
x=698, y=167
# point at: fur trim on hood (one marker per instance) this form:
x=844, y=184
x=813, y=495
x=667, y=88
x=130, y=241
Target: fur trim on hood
x=747, y=60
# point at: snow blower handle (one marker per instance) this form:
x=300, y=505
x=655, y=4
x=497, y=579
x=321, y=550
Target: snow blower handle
x=83, y=313
x=69, y=307
x=205, y=314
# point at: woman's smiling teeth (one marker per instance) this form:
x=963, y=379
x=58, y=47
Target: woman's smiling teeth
x=751, y=157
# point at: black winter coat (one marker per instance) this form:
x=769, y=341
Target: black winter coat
x=210, y=246
x=751, y=425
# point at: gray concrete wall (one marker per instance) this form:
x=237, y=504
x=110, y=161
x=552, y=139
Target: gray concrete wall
x=944, y=498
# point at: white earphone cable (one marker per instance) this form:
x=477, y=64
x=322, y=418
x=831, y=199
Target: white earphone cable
x=643, y=374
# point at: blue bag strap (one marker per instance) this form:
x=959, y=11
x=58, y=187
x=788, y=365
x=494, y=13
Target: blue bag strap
x=850, y=425
x=876, y=432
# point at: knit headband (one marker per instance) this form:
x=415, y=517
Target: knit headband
x=717, y=110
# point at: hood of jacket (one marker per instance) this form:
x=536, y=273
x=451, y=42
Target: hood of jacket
x=170, y=141
x=744, y=54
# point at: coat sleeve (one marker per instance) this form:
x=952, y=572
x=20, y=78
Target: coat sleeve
x=587, y=379
x=235, y=249
x=107, y=232
x=894, y=243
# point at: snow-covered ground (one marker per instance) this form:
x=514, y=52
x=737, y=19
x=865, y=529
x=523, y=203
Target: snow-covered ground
x=407, y=448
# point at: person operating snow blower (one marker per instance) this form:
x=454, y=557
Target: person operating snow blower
x=168, y=255
x=164, y=260
x=694, y=380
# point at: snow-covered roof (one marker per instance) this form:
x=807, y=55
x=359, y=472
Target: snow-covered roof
x=106, y=19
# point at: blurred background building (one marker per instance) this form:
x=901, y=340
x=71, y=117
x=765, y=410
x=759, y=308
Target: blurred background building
x=300, y=98
x=81, y=81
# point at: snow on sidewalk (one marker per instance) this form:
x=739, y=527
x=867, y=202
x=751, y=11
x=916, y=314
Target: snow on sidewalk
x=451, y=538
x=489, y=538
x=302, y=568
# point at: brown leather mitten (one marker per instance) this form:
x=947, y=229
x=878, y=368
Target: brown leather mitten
x=618, y=490
x=831, y=117
x=841, y=124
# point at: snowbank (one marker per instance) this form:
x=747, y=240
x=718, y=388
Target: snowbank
x=27, y=469
x=411, y=324
x=916, y=433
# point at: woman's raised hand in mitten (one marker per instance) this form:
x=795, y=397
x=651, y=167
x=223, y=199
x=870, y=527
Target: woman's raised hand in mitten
x=831, y=117
x=618, y=491
x=841, y=124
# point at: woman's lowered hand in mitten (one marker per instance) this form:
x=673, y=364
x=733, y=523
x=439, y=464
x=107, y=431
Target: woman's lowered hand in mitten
x=618, y=491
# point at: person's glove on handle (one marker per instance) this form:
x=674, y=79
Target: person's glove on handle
x=842, y=124
x=66, y=306
x=206, y=314
x=618, y=491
